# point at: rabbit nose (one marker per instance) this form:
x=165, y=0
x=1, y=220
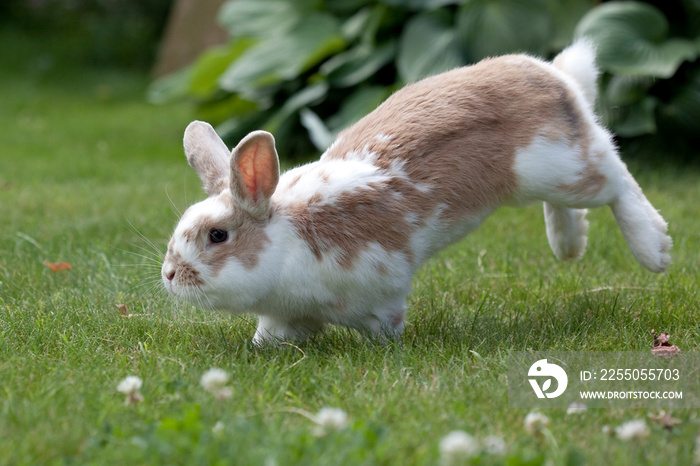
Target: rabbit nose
x=170, y=274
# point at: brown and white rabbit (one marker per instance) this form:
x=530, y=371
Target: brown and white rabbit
x=337, y=241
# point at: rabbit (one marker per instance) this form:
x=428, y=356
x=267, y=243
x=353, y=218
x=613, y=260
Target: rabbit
x=337, y=241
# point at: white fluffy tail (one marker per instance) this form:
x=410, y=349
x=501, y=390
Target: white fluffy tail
x=578, y=61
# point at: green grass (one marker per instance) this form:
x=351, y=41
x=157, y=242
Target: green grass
x=90, y=174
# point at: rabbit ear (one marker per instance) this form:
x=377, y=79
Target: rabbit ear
x=255, y=172
x=208, y=155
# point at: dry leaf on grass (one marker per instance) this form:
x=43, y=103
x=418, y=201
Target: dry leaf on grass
x=56, y=266
x=664, y=419
x=662, y=347
x=124, y=312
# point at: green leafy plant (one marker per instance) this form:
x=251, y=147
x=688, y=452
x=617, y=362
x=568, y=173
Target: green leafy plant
x=304, y=70
x=651, y=84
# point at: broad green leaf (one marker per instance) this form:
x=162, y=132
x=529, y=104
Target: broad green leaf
x=346, y=7
x=284, y=57
x=428, y=45
x=354, y=26
x=420, y=4
x=212, y=63
x=263, y=18
x=626, y=107
x=627, y=90
x=632, y=120
x=682, y=112
x=495, y=27
x=318, y=132
x=264, y=64
x=235, y=128
x=632, y=39
x=358, y=64
x=637, y=119
x=364, y=24
x=303, y=98
x=169, y=88
x=565, y=16
x=357, y=105
x=231, y=105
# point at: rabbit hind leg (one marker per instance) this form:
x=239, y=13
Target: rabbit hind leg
x=569, y=180
x=605, y=180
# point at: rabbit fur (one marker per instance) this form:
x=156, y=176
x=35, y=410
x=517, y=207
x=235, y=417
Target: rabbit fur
x=337, y=241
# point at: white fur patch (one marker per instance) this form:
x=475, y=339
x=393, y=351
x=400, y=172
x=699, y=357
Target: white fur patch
x=236, y=289
x=545, y=165
x=325, y=293
x=327, y=180
x=436, y=234
x=211, y=207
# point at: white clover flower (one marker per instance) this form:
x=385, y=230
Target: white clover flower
x=224, y=393
x=576, y=408
x=214, y=381
x=218, y=429
x=632, y=429
x=458, y=446
x=329, y=420
x=130, y=386
x=494, y=445
x=535, y=422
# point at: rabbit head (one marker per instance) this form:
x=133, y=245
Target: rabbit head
x=219, y=255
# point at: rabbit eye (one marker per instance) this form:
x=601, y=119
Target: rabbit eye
x=218, y=236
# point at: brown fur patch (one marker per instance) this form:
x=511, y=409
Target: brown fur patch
x=324, y=175
x=396, y=318
x=315, y=199
x=185, y=273
x=190, y=235
x=248, y=242
x=590, y=183
x=350, y=223
x=294, y=181
x=455, y=134
x=247, y=238
x=382, y=269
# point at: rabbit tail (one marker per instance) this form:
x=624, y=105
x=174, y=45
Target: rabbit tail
x=643, y=228
x=578, y=62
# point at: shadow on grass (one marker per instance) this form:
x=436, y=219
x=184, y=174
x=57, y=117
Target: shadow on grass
x=593, y=323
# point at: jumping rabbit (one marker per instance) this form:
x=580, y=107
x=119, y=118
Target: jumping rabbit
x=337, y=241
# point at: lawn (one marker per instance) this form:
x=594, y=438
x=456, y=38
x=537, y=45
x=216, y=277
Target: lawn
x=93, y=176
